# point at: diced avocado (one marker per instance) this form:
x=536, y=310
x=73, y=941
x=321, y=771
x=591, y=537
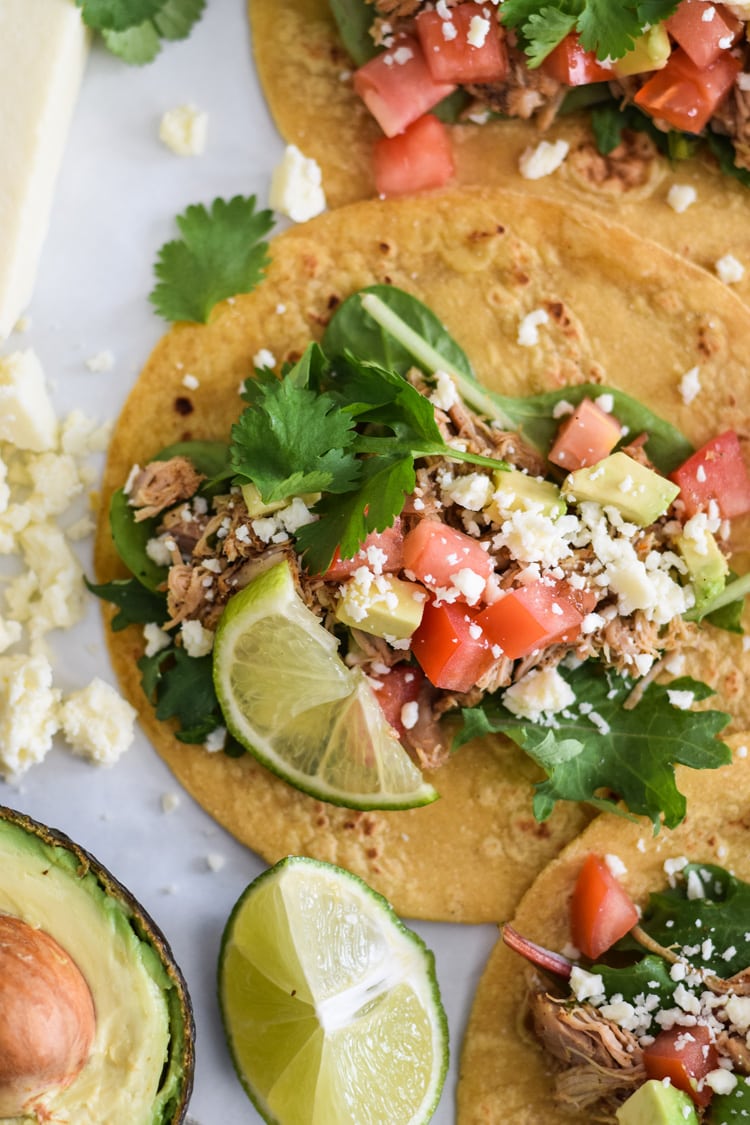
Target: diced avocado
x=707, y=566
x=653, y=1103
x=728, y=1108
x=521, y=492
x=650, y=51
x=387, y=607
x=256, y=506
x=639, y=493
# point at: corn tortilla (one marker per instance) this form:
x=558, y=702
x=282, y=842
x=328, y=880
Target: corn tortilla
x=304, y=71
x=620, y=310
x=504, y=1074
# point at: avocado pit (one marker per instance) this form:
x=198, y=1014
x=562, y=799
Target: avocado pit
x=47, y=1017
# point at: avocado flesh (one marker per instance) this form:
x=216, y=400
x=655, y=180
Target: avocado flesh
x=707, y=567
x=653, y=1103
x=617, y=481
x=394, y=613
x=521, y=492
x=140, y=1066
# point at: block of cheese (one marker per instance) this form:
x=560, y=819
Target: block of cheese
x=43, y=47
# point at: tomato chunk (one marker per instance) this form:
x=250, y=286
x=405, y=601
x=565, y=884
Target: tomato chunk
x=684, y=1055
x=438, y=554
x=716, y=472
x=388, y=543
x=450, y=646
x=570, y=64
x=468, y=46
x=601, y=910
x=401, y=685
x=397, y=87
x=587, y=436
x=418, y=159
x=686, y=96
x=531, y=617
x=703, y=39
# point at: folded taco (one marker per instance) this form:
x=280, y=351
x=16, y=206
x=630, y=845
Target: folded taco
x=642, y=117
x=342, y=484
x=620, y=992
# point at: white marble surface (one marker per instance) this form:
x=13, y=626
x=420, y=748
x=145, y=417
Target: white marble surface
x=117, y=196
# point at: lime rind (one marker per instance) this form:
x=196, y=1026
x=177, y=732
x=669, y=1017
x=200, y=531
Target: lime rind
x=373, y=1045
x=289, y=699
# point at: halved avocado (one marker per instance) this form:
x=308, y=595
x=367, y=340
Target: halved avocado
x=140, y=1066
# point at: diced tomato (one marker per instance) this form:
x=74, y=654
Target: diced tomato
x=397, y=87
x=601, y=910
x=450, y=647
x=449, y=52
x=703, y=30
x=686, y=96
x=716, y=472
x=435, y=553
x=587, y=436
x=684, y=1055
x=418, y=159
x=531, y=617
x=573, y=66
x=401, y=685
x=390, y=542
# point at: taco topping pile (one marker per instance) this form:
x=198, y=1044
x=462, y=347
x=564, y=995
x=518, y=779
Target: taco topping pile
x=537, y=589
x=673, y=70
x=658, y=1000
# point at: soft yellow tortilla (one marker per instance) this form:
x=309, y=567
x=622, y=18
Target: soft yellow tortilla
x=305, y=73
x=621, y=310
x=504, y=1074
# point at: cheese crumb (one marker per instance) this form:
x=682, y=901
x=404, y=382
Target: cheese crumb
x=540, y=692
x=98, y=723
x=729, y=269
x=196, y=640
x=528, y=335
x=27, y=418
x=690, y=385
x=184, y=130
x=216, y=740
x=296, y=187
x=681, y=196
x=29, y=716
x=101, y=362
x=546, y=158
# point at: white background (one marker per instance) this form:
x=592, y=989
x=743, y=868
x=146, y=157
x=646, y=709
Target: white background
x=118, y=194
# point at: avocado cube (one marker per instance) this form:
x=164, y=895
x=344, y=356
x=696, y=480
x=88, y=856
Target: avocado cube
x=521, y=492
x=257, y=507
x=653, y=1103
x=650, y=51
x=384, y=606
x=640, y=494
x=707, y=566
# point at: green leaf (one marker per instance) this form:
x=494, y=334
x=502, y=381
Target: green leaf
x=186, y=690
x=544, y=31
x=647, y=977
x=221, y=254
x=136, y=46
x=117, y=15
x=176, y=18
x=625, y=753
x=354, y=18
x=131, y=538
x=607, y=29
x=136, y=604
x=723, y=150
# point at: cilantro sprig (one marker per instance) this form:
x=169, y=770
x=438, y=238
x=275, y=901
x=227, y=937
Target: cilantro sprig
x=133, y=29
x=222, y=252
x=608, y=29
x=600, y=751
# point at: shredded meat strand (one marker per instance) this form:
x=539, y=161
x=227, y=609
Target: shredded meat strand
x=162, y=484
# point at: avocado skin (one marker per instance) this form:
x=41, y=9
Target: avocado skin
x=653, y=1103
x=182, y=1025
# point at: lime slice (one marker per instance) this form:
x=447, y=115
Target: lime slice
x=289, y=699
x=330, y=1004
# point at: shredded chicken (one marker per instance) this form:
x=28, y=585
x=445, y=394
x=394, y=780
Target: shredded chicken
x=161, y=485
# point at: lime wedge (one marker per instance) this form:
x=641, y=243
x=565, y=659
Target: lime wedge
x=289, y=699
x=330, y=1004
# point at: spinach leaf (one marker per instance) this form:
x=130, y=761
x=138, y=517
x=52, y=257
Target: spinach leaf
x=647, y=977
x=136, y=604
x=723, y=150
x=354, y=19
x=449, y=110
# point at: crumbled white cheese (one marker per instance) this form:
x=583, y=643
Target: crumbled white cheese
x=29, y=712
x=158, y=551
x=296, y=187
x=190, y=382
x=264, y=359
x=721, y=1081
x=478, y=31
x=101, y=362
x=470, y=490
x=215, y=861
x=184, y=130
x=738, y=1011
x=690, y=385
x=98, y=723
x=528, y=329
x=585, y=985
x=681, y=196
x=409, y=714
x=540, y=692
x=729, y=269
x=216, y=740
x=543, y=160
x=27, y=418
x=169, y=802
x=156, y=639
x=445, y=394
x=615, y=865
x=682, y=700
x=197, y=640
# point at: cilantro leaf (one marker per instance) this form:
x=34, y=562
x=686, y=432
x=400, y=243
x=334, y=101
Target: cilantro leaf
x=136, y=46
x=186, y=689
x=544, y=31
x=603, y=27
x=609, y=29
x=117, y=15
x=175, y=18
x=293, y=440
x=136, y=604
x=631, y=753
x=221, y=253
